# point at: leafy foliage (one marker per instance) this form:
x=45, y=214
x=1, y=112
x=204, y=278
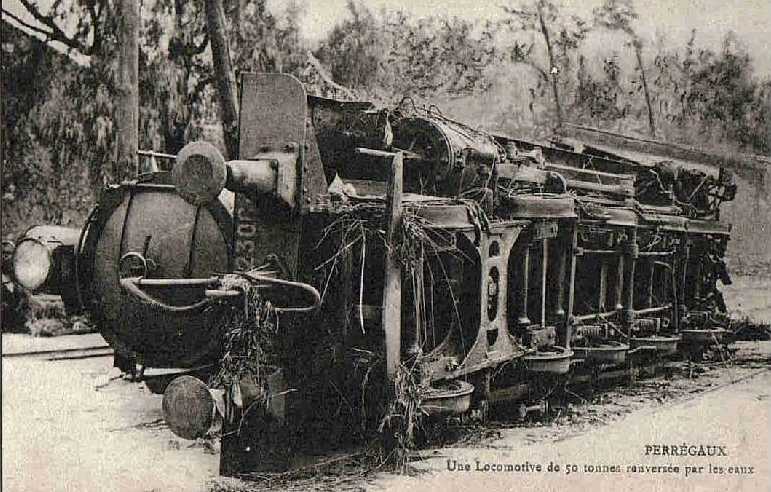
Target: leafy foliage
x=617, y=15
x=701, y=93
x=55, y=144
x=59, y=126
x=249, y=332
x=393, y=55
x=600, y=98
x=561, y=35
x=174, y=75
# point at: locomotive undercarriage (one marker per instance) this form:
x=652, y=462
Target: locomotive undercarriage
x=547, y=302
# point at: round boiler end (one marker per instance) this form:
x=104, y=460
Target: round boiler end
x=200, y=173
x=188, y=407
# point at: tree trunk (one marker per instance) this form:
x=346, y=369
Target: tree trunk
x=223, y=71
x=552, y=64
x=651, y=122
x=127, y=103
x=238, y=7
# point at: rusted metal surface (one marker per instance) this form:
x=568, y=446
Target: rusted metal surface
x=454, y=399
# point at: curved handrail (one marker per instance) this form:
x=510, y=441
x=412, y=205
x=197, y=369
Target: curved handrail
x=308, y=289
x=131, y=285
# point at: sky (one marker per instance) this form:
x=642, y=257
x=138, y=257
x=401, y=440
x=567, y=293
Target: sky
x=750, y=19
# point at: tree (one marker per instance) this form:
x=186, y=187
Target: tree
x=708, y=96
x=45, y=135
x=391, y=55
x=355, y=49
x=544, y=17
x=618, y=15
x=91, y=29
x=253, y=40
x=602, y=97
x=224, y=75
x=725, y=94
x=91, y=41
x=174, y=79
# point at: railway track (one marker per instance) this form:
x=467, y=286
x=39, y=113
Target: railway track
x=64, y=354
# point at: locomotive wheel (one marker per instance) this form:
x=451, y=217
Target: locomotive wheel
x=188, y=407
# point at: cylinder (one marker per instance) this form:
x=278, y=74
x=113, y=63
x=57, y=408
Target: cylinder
x=453, y=158
x=257, y=176
x=43, y=261
x=201, y=173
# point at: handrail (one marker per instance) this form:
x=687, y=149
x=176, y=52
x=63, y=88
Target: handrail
x=132, y=285
x=308, y=289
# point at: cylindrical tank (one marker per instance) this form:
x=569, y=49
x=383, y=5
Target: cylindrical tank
x=177, y=240
x=453, y=157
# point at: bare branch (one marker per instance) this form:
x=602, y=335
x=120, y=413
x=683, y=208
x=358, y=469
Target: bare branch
x=27, y=25
x=56, y=34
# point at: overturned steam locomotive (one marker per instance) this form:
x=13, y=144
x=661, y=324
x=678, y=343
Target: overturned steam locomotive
x=488, y=266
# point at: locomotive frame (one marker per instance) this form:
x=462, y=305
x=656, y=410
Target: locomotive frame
x=526, y=262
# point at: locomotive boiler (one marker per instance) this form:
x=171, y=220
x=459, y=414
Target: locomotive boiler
x=391, y=240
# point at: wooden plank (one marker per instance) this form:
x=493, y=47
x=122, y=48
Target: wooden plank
x=392, y=290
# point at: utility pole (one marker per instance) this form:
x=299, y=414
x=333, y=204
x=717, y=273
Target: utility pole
x=127, y=103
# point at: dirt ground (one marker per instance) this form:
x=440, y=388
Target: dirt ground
x=68, y=426
x=741, y=427
x=72, y=425
x=751, y=297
